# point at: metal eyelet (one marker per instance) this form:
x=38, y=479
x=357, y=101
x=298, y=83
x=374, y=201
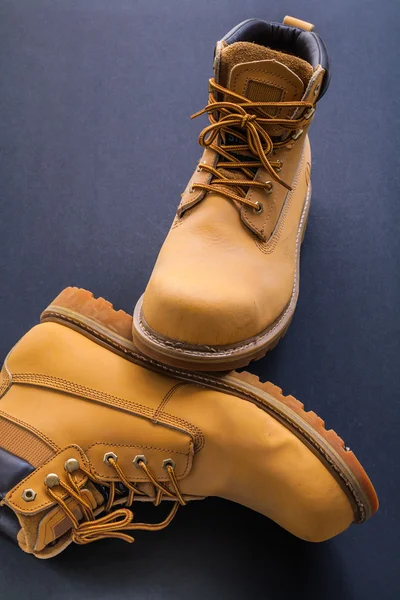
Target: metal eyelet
x=71, y=465
x=138, y=459
x=270, y=187
x=29, y=495
x=108, y=456
x=168, y=462
x=259, y=209
x=278, y=169
x=52, y=480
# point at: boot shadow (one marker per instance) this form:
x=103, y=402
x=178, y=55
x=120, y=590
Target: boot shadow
x=214, y=549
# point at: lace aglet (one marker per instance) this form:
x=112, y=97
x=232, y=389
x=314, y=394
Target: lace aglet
x=201, y=112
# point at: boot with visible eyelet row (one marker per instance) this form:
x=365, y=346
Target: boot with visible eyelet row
x=225, y=285
x=90, y=427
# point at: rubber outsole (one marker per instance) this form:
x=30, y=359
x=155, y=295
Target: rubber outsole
x=220, y=358
x=96, y=319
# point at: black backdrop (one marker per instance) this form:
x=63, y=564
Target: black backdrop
x=96, y=146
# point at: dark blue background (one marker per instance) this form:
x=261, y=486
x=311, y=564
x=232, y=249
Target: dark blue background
x=96, y=146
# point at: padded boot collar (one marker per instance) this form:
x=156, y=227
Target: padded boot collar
x=307, y=45
x=12, y=470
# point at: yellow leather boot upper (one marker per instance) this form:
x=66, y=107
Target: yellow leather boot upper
x=228, y=269
x=67, y=402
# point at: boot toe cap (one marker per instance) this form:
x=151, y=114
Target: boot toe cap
x=212, y=310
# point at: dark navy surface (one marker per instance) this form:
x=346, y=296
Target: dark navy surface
x=96, y=146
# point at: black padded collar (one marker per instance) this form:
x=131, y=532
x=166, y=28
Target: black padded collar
x=304, y=44
x=12, y=470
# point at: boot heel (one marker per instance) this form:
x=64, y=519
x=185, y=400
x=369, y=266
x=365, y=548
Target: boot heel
x=75, y=302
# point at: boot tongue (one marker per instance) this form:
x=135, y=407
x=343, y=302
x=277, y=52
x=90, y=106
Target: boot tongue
x=264, y=75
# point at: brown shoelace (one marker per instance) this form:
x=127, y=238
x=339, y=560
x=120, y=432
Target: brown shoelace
x=251, y=117
x=114, y=524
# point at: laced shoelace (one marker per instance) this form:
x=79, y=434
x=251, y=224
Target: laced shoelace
x=230, y=117
x=114, y=524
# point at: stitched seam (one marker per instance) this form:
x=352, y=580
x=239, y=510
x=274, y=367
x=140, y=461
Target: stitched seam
x=213, y=352
x=5, y=377
x=164, y=401
x=24, y=443
x=271, y=244
x=135, y=446
x=70, y=386
x=140, y=477
x=178, y=221
x=209, y=350
x=33, y=430
x=4, y=383
x=249, y=217
x=224, y=388
x=269, y=247
x=102, y=397
x=168, y=419
x=316, y=38
x=263, y=81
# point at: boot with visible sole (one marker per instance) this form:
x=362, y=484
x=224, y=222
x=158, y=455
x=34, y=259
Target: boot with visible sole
x=226, y=282
x=89, y=427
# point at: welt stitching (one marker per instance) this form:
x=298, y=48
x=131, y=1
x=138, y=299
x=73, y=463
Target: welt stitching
x=103, y=337
x=208, y=350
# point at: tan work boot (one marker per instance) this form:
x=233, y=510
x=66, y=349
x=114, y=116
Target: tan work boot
x=225, y=285
x=89, y=427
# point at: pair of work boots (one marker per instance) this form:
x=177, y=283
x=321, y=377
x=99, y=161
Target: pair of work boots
x=97, y=415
